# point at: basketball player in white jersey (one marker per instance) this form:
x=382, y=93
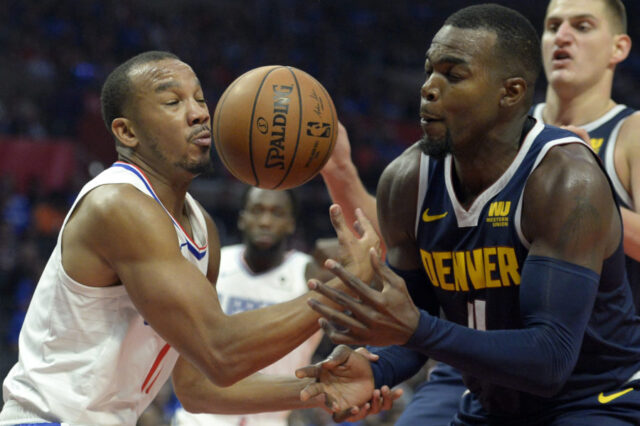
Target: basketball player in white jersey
x=127, y=298
x=262, y=271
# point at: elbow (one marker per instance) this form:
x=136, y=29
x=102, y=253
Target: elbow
x=223, y=369
x=550, y=381
x=547, y=388
x=190, y=404
x=555, y=363
x=223, y=374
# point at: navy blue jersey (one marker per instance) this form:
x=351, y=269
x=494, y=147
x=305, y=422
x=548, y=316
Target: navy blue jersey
x=473, y=259
x=603, y=134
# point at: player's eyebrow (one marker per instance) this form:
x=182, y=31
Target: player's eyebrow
x=448, y=59
x=172, y=84
x=166, y=86
x=572, y=17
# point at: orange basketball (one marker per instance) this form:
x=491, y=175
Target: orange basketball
x=275, y=127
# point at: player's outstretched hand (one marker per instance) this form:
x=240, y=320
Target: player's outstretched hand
x=354, y=249
x=378, y=318
x=346, y=381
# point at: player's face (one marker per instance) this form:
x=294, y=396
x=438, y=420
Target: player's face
x=460, y=97
x=267, y=219
x=577, y=42
x=170, y=116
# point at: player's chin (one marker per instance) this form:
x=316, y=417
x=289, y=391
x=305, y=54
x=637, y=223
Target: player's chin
x=198, y=166
x=264, y=243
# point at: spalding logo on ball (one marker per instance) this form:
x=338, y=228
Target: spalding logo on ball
x=275, y=127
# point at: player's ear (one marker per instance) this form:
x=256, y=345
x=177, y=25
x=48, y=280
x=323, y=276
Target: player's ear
x=291, y=227
x=621, y=48
x=122, y=129
x=241, y=221
x=514, y=90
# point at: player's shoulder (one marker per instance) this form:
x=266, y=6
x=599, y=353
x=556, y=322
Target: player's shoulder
x=398, y=186
x=113, y=217
x=629, y=130
x=118, y=199
x=403, y=170
x=568, y=172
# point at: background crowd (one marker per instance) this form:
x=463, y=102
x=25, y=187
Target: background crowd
x=56, y=54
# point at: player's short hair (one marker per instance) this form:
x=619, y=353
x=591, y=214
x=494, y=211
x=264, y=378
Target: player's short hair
x=117, y=90
x=618, y=15
x=517, y=44
x=293, y=199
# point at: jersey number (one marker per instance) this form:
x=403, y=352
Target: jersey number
x=477, y=315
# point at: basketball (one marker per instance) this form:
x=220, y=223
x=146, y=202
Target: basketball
x=275, y=127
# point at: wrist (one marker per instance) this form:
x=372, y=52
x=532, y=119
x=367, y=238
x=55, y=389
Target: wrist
x=336, y=168
x=421, y=331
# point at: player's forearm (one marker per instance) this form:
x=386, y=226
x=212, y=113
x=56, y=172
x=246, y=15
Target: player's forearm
x=346, y=189
x=249, y=341
x=631, y=222
x=555, y=302
x=395, y=365
x=256, y=393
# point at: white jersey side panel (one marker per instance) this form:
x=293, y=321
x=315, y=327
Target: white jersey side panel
x=239, y=290
x=87, y=357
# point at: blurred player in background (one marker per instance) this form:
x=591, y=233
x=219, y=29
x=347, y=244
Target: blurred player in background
x=582, y=43
x=262, y=271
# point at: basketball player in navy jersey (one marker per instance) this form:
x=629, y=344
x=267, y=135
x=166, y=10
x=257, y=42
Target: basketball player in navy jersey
x=582, y=43
x=515, y=236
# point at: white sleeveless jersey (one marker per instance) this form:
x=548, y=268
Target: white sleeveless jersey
x=86, y=356
x=239, y=289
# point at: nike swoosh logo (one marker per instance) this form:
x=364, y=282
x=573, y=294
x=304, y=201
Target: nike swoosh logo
x=430, y=218
x=602, y=399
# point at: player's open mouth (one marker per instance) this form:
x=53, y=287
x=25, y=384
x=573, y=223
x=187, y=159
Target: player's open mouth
x=561, y=56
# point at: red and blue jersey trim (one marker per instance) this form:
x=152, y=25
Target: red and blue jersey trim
x=197, y=251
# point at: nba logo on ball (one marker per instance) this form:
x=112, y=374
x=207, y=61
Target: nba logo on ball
x=275, y=127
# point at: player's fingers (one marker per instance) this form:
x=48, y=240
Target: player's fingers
x=353, y=282
x=366, y=225
x=389, y=396
x=349, y=317
x=358, y=228
x=339, y=297
x=343, y=232
x=312, y=390
x=310, y=371
x=376, y=402
x=578, y=131
x=338, y=335
x=382, y=270
x=339, y=355
x=352, y=414
x=369, y=355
